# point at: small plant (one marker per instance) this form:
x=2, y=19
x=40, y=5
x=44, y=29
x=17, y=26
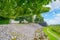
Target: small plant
x=35, y=38
x=14, y=39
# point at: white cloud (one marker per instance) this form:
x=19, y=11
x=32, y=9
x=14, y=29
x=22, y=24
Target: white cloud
x=55, y=20
x=55, y=4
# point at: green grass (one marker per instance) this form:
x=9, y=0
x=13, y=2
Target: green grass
x=54, y=29
x=51, y=37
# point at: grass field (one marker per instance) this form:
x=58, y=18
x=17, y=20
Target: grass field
x=53, y=32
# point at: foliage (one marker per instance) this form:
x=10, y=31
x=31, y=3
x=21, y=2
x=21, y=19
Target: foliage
x=13, y=9
x=4, y=21
x=39, y=19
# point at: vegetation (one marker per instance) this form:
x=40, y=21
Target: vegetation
x=56, y=29
x=14, y=39
x=24, y=9
x=53, y=32
x=4, y=20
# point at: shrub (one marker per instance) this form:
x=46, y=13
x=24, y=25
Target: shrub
x=4, y=21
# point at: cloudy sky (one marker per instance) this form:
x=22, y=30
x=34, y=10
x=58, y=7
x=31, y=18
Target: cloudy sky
x=53, y=16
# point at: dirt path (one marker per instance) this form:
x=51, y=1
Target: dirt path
x=18, y=31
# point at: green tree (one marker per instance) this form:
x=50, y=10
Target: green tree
x=14, y=9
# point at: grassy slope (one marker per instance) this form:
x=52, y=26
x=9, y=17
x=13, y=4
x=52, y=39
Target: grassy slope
x=53, y=32
x=56, y=33
x=51, y=37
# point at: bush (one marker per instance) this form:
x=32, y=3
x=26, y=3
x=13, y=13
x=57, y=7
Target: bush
x=5, y=21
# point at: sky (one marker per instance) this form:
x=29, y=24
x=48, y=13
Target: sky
x=53, y=16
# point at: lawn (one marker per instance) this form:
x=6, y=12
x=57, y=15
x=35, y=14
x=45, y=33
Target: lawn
x=52, y=32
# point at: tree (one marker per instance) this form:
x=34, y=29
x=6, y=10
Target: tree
x=14, y=9
x=33, y=7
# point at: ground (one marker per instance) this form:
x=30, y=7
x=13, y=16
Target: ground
x=21, y=32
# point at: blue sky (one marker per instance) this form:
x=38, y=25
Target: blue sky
x=53, y=16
